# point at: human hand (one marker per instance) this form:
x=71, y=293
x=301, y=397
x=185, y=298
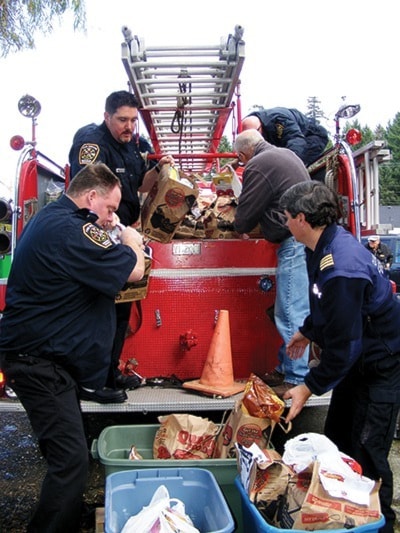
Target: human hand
x=166, y=160
x=299, y=395
x=130, y=236
x=296, y=346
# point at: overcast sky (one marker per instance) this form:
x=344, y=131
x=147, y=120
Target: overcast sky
x=294, y=49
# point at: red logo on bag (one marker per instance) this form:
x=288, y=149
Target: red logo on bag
x=248, y=433
x=163, y=453
x=174, y=197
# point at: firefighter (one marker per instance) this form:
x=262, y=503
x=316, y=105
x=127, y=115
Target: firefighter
x=58, y=326
x=115, y=142
x=289, y=128
x=269, y=171
x=355, y=320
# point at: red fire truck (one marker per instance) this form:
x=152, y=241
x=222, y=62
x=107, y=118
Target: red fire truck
x=189, y=97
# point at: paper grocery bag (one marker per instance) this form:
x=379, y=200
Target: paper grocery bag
x=167, y=204
x=308, y=506
x=252, y=420
x=183, y=436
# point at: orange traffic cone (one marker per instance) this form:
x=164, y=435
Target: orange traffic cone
x=217, y=377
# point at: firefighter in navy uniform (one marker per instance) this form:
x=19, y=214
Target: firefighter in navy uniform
x=355, y=320
x=57, y=330
x=289, y=128
x=115, y=143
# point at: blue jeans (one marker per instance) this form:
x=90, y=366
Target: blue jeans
x=291, y=305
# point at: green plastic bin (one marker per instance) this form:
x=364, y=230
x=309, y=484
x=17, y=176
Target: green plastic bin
x=114, y=443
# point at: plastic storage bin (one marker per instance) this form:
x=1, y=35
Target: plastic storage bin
x=114, y=443
x=127, y=492
x=255, y=522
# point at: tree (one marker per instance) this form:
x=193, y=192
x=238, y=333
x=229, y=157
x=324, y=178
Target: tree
x=367, y=135
x=389, y=173
x=225, y=147
x=393, y=137
x=21, y=19
x=314, y=110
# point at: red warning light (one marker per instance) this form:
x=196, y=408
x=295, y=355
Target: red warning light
x=353, y=137
x=17, y=142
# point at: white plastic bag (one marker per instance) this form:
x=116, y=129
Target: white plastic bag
x=162, y=515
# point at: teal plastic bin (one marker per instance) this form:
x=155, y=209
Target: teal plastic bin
x=255, y=522
x=127, y=492
x=114, y=443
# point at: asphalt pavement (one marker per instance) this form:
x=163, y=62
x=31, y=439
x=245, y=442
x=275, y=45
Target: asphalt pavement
x=22, y=468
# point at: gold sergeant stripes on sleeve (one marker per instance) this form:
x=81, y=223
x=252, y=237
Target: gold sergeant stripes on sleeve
x=326, y=262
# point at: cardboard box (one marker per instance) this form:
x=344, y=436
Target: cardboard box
x=227, y=183
x=167, y=204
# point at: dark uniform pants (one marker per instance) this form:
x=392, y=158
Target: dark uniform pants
x=123, y=312
x=361, y=422
x=49, y=396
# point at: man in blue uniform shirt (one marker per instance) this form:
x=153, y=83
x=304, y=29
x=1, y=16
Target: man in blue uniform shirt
x=355, y=320
x=289, y=128
x=57, y=330
x=115, y=142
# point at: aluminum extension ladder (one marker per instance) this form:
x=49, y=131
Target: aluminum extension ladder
x=186, y=94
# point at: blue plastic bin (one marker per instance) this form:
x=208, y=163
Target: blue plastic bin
x=114, y=443
x=255, y=522
x=127, y=492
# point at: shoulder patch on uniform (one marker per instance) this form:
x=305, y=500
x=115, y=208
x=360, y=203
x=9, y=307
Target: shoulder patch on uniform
x=88, y=153
x=326, y=262
x=97, y=235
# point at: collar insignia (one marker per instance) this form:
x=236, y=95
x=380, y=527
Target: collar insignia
x=279, y=130
x=88, y=153
x=326, y=262
x=97, y=235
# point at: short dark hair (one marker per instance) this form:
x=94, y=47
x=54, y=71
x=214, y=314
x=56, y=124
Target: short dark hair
x=119, y=99
x=96, y=176
x=318, y=203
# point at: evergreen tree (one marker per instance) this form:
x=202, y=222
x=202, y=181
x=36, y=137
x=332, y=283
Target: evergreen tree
x=393, y=137
x=225, y=147
x=313, y=109
x=20, y=19
x=389, y=173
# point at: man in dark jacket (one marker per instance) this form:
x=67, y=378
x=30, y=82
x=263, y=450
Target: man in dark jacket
x=355, y=320
x=288, y=128
x=382, y=252
x=115, y=142
x=269, y=171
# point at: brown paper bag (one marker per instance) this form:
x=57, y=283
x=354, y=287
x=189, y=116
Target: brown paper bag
x=183, y=436
x=308, y=506
x=253, y=419
x=136, y=290
x=219, y=219
x=167, y=204
x=268, y=483
x=242, y=428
